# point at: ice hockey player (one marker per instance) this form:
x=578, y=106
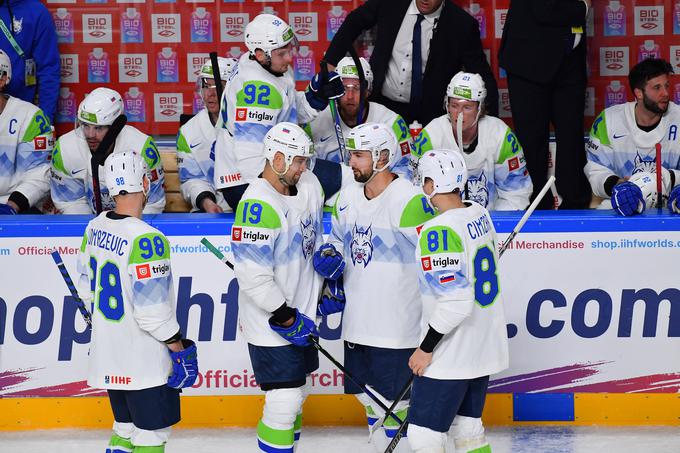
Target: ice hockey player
x=464, y=337
x=355, y=109
x=71, y=183
x=137, y=352
x=374, y=235
x=196, y=141
x=26, y=146
x=261, y=93
x=621, y=147
x=498, y=178
x=277, y=228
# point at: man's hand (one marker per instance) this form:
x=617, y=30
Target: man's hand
x=210, y=206
x=419, y=361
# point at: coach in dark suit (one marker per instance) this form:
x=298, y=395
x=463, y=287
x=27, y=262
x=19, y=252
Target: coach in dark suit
x=543, y=51
x=449, y=42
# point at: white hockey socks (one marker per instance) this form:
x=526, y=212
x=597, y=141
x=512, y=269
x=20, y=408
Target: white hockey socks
x=468, y=434
x=276, y=430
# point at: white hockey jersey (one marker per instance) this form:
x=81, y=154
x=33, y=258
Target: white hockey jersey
x=124, y=270
x=322, y=132
x=458, y=263
x=196, y=159
x=252, y=103
x=377, y=238
x=71, y=182
x=617, y=146
x=497, y=174
x=273, y=239
x=26, y=142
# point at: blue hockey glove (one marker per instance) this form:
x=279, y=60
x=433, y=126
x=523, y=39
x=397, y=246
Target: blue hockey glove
x=328, y=262
x=6, y=209
x=184, y=366
x=674, y=200
x=627, y=199
x=297, y=333
x=332, y=298
x=320, y=90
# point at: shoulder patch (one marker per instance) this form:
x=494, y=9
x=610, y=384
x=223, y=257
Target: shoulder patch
x=256, y=93
x=599, y=129
x=150, y=154
x=509, y=148
x=256, y=213
x=439, y=239
x=416, y=212
x=149, y=247
x=182, y=145
x=422, y=143
x=38, y=125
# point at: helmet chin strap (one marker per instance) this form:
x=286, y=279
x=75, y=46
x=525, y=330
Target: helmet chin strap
x=281, y=175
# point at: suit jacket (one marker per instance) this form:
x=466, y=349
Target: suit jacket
x=536, y=37
x=455, y=46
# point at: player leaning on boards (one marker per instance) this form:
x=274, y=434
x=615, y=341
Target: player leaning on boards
x=71, y=183
x=354, y=109
x=277, y=227
x=375, y=222
x=196, y=141
x=621, y=147
x=498, y=178
x=26, y=143
x=124, y=271
x=261, y=93
x=464, y=338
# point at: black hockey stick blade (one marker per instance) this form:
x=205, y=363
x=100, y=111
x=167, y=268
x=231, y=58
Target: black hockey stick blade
x=216, y=75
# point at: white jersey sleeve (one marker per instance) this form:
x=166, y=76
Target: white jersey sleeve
x=513, y=183
x=600, y=165
x=26, y=143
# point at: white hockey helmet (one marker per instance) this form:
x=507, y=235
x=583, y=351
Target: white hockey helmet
x=101, y=107
x=5, y=65
x=268, y=32
x=225, y=64
x=466, y=86
x=348, y=70
x=376, y=138
x=646, y=181
x=446, y=169
x=290, y=140
x=124, y=173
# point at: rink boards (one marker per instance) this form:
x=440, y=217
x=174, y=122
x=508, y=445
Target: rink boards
x=591, y=300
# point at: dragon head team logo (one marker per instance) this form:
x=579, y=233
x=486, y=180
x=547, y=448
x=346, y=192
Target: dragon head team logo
x=362, y=245
x=647, y=164
x=477, y=190
x=308, y=236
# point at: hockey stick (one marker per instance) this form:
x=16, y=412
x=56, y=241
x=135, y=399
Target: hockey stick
x=526, y=215
x=314, y=340
x=332, y=104
x=363, y=85
x=72, y=288
x=217, y=253
x=101, y=153
x=216, y=75
x=659, y=178
x=402, y=428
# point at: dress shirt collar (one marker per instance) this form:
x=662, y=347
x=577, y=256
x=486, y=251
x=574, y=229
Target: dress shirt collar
x=432, y=18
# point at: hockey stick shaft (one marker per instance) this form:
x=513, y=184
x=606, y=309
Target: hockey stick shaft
x=72, y=288
x=390, y=411
x=217, y=77
x=217, y=253
x=101, y=153
x=363, y=85
x=526, y=215
x=335, y=114
x=315, y=342
x=659, y=178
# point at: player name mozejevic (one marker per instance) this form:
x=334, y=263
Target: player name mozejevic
x=107, y=241
x=250, y=235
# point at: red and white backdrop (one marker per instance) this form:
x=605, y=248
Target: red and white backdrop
x=150, y=51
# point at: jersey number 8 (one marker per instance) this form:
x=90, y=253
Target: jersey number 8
x=486, y=278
